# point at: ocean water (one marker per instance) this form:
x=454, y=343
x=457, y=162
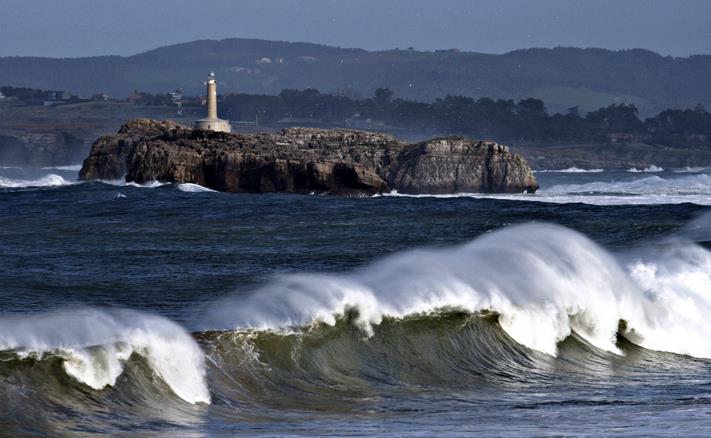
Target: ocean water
x=175, y=310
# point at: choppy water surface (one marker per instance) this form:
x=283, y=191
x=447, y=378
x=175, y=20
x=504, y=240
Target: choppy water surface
x=175, y=310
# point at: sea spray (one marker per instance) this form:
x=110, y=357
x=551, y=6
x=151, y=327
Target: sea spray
x=50, y=180
x=570, y=170
x=94, y=345
x=544, y=281
x=68, y=168
x=651, y=169
x=651, y=185
x=194, y=188
x=646, y=190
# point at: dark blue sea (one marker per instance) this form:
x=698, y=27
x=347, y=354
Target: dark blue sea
x=173, y=310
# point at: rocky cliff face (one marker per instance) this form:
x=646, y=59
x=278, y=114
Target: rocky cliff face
x=41, y=148
x=458, y=165
x=299, y=160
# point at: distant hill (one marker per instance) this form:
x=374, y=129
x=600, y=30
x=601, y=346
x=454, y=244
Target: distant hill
x=562, y=77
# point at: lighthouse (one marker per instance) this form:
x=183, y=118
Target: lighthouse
x=211, y=122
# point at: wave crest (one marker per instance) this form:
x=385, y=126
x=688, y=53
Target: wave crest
x=95, y=344
x=194, y=188
x=651, y=169
x=50, y=180
x=544, y=281
x=570, y=170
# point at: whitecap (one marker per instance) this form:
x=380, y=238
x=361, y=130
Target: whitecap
x=123, y=183
x=650, y=169
x=193, y=188
x=544, y=281
x=650, y=190
x=688, y=169
x=50, y=180
x=71, y=167
x=95, y=344
x=570, y=170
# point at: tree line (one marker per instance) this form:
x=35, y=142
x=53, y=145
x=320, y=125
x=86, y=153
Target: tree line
x=504, y=120
x=525, y=120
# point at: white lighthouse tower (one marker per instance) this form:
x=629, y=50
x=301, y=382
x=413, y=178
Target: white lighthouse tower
x=211, y=122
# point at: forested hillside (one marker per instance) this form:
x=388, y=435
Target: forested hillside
x=562, y=77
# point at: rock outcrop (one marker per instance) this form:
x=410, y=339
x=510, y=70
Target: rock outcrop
x=38, y=149
x=300, y=160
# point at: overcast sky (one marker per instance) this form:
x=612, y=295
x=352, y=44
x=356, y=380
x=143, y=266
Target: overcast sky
x=97, y=27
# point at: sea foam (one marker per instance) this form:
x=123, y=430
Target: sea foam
x=570, y=170
x=193, y=188
x=650, y=189
x=94, y=345
x=544, y=281
x=50, y=180
x=69, y=168
x=650, y=169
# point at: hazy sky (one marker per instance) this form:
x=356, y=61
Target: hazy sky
x=96, y=27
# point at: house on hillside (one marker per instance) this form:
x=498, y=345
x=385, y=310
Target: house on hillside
x=56, y=97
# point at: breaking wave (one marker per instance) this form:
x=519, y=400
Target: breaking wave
x=123, y=183
x=526, y=305
x=543, y=282
x=651, y=185
x=71, y=167
x=570, y=170
x=651, y=189
x=690, y=170
x=193, y=188
x=94, y=347
x=650, y=169
x=50, y=180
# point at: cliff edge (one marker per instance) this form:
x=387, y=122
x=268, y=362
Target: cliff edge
x=301, y=160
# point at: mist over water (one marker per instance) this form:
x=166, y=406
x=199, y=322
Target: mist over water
x=174, y=309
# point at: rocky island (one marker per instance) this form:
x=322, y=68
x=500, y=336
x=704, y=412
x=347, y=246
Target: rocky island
x=300, y=160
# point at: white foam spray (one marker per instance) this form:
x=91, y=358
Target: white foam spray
x=95, y=344
x=123, y=183
x=50, y=180
x=69, y=168
x=570, y=170
x=193, y=188
x=653, y=189
x=650, y=169
x=544, y=281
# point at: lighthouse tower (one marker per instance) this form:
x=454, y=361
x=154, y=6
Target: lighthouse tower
x=211, y=122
